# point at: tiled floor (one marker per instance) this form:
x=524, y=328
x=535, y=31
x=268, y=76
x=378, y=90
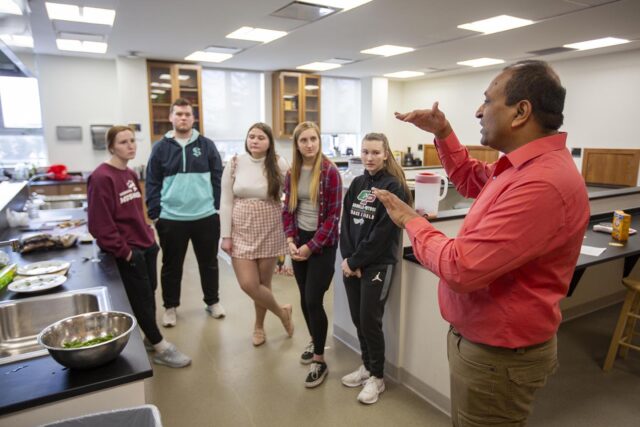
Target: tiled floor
x=231, y=383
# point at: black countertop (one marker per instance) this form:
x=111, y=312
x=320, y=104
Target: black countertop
x=32, y=382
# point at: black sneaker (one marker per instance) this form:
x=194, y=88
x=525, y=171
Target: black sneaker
x=317, y=373
x=307, y=354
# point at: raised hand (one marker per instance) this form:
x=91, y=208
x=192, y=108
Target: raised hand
x=432, y=120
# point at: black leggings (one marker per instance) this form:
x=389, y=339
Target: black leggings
x=313, y=277
x=140, y=281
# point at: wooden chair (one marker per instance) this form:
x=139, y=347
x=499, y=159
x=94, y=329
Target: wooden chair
x=625, y=329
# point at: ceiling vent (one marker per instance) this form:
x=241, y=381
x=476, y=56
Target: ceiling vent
x=304, y=11
x=551, y=51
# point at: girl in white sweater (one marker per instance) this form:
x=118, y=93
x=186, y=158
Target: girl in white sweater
x=251, y=223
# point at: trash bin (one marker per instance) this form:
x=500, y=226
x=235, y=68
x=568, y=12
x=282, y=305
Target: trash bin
x=139, y=416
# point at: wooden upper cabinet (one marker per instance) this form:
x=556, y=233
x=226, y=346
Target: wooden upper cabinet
x=616, y=167
x=167, y=82
x=296, y=98
x=479, y=152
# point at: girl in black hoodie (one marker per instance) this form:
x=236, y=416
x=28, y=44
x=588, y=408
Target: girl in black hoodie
x=370, y=247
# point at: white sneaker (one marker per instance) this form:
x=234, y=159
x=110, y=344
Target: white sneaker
x=357, y=377
x=169, y=317
x=216, y=310
x=373, y=387
x=172, y=358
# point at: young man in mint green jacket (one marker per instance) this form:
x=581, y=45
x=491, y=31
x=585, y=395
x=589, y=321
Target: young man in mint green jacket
x=183, y=200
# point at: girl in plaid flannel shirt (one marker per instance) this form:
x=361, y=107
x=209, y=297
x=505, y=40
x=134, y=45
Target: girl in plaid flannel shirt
x=311, y=216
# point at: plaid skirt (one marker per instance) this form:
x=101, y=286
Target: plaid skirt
x=256, y=229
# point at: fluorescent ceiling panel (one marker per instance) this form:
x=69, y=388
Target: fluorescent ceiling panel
x=481, y=62
x=387, y=50
x=597, y=43
x=81, y=46
x=17, y=41
x=256, y=34
x=81, y=36
x=200, y=56
x=87, y=15
x=404, y=74
x=318, y=66
x=339, y=4
x=496, y=24
x=10, y=7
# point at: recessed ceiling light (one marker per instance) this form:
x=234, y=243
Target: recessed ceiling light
x=200, y=56
x=81, y=36
x=496, y=24
x=17, y=41
x=481, y=62
x=87, y=15
x=594, y=44
x=81, y=46
x=340, y=4
x=388, y=50
x=405, y=74
x=256, y=34
x=318, y=66
x=341, y=61
x=10, y=7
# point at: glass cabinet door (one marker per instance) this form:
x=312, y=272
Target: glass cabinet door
x=160, y=94
x=188, y=88
x=291, y=102
x=311, y=99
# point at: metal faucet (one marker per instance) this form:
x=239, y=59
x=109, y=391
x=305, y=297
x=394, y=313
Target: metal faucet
x=36, y=177
x=14, y=243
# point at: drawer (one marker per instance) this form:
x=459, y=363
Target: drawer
x=79, y=188
x=45, y=190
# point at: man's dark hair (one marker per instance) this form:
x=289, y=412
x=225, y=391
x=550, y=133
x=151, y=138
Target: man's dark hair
x=536, y=82
x=180, y=102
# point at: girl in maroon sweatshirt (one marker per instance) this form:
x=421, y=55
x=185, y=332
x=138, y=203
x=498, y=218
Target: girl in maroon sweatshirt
x=116, y=220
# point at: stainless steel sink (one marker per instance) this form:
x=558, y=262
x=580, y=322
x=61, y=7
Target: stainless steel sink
x=22, y=320
x=62, y=204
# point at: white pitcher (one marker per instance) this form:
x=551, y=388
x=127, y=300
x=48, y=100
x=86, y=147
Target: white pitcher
x=428, y=192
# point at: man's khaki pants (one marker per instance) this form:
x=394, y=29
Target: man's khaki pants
x=495, y=386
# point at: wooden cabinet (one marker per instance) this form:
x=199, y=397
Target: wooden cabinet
x=479, y=152
x=296, y=99
x=616, y=167
x=65, y=189
x=168, y=82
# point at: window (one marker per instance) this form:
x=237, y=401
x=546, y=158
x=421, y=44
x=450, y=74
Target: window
x=340, y=116
x=232, y=101
x=21, y=136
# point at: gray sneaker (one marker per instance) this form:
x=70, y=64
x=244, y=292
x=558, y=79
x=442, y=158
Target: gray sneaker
x=148, y=346
x=307, y=354
x=172, y=358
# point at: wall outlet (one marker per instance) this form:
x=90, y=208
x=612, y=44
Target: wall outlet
x=419, y=147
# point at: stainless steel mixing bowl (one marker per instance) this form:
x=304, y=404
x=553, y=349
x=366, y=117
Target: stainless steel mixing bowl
x=85, y=327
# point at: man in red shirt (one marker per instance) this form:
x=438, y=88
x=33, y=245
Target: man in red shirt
x=502, y=277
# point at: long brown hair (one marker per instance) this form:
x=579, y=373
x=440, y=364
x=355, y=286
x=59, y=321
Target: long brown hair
x=271, y=169
x=391, y=166
x=296, y=167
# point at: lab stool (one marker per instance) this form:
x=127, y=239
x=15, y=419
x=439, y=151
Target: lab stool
x=625, y=329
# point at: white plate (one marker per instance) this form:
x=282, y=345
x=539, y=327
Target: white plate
x=37, y=283
x=43, y=267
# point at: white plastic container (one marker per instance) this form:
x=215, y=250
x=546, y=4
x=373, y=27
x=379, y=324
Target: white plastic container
x=428, y=192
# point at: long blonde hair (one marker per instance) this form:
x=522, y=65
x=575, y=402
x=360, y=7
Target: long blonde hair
x=391, y=166
x=296, y=167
